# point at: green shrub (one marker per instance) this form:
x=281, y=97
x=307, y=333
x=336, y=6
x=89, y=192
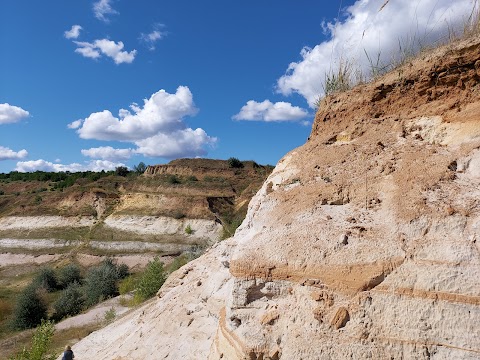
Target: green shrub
x=46, y=279
x=123, y=271
x=151, y=280
x=101, y=282
x=188, y=230
x=41, y=341
x=122, y=171
x=70, y=302
x=173, y=179
x=68, y=275
x=126, y=285
x=2, y=192
x=192, y=178
x=30, y=309
x=110, y=315
x=233, y=162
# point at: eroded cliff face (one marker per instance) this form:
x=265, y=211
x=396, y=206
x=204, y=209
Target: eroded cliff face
x=363, y=243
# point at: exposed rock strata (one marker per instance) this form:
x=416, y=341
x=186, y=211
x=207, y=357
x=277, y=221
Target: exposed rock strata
x=363, y=243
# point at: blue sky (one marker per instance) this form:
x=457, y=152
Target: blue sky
x=98, y=84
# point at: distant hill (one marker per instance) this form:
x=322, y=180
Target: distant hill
x=210, y=196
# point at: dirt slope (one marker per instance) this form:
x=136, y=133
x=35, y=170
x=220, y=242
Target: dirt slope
x=363, y=243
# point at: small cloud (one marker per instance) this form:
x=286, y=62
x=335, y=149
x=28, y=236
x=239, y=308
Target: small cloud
x=269, y=112
x=149, y=40
x=108, y=153
x=42, y=165
x=102, y=9
x=106, y=47
x=11, y=114
x=9, y=154
x=73, y=33
x=87, y=50
x=75, y=124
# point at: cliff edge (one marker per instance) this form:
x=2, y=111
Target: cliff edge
x=362, y=243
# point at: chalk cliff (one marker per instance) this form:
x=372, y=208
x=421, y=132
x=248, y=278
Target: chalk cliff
x=362, y=243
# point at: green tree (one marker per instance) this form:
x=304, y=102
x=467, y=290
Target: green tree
x=70, y=302
x=41, y=341
x=121, y=171
x=140, y=168
x=233, y=162
x=46, y=279
x=29, y=310
x=152, y=280
x=101, y=281
x=68, y=275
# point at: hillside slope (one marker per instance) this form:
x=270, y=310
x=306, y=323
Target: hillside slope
x=363, y=243
x=107, y=212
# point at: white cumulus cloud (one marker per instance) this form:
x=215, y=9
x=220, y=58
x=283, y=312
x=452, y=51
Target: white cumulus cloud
x=157, y=128
x=108, y=153
x=180, y=143
x=73, y=33
x=42, y=165
x=369, y=28
x=268, y=111
x=102, y=9
x=9, y=154
x=105, y=47
x=11, y=114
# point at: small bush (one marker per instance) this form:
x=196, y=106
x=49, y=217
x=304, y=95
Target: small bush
x=29, y=310
x=70, y=302
x=68, y=275
x=46, y=279
x=126, y=285
x=151, y=281
x=123, y=271
x=191, y=178
x=2, y=192
x=188, y=230
x=110, y=315
x=41, y=341
x=173, y=179
x=233, y=162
